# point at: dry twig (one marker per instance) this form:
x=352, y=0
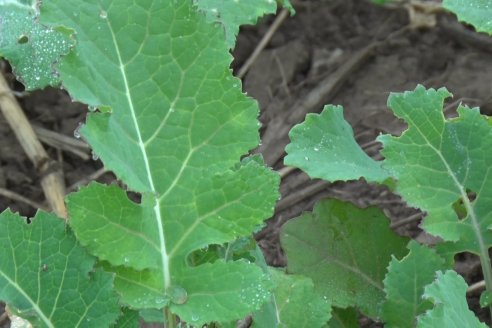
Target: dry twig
x=263, y=42
x=62, y=142
x=20, y=198
x=51, y=177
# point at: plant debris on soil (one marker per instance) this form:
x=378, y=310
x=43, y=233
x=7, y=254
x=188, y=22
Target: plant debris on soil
x=345, y=52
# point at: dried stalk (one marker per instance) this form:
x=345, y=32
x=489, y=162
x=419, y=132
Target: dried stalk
x=48, y=171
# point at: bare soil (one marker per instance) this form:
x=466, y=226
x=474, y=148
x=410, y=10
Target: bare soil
x=363, y=50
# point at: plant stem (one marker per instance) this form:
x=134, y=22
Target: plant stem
x=170, y=318
x=487, y=273
x=484, y=250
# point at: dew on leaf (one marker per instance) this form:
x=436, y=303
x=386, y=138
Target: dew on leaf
x=177, y=294
x=103, y=14
x=159, y=301
x=76, y=132
x=194, y=317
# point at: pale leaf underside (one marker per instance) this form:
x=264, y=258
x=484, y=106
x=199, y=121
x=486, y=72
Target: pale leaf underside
x=448, y=293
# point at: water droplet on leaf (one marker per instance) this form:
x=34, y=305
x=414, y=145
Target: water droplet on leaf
x=160, y=301
x=177, y=294
x=76, y=132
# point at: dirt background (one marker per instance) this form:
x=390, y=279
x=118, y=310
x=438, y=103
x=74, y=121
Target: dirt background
x=345, y=52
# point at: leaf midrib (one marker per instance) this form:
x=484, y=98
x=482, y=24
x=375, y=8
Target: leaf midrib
x=157, y=211
x=464, y=196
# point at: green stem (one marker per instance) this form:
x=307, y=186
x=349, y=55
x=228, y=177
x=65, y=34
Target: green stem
x=487, y=273
x=484, y=250
x=228, y=254
x=170, y=318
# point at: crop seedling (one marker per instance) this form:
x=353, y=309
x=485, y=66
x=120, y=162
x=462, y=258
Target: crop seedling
x=171, y=123
x=170, y=120
x=438, y=165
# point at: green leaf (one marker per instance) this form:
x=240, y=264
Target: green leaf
x=228, y=289
x=153, y=315
x=485, y=298
x=31, y=49
x=345, y=251
x=324, y=147
x=475, y=12
x=46, y=276
x=178, y=124
x=129, y=319
x=291, y=294
x=233, y=14
x=404, y=285
x=344, y=318
x=448, y=293
x=229, y=206
x=438, y=162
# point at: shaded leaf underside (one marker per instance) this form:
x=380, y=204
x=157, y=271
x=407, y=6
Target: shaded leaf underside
x=344, y=250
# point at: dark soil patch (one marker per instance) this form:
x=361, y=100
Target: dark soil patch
x=308, y=49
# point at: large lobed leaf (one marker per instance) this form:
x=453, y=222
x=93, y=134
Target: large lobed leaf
x=31, y=49
x=178, y=124
x=436, y=162
x=475, y=12
x=439, y=162
x=345, y=251
x=448, y=293
x=45, y=276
